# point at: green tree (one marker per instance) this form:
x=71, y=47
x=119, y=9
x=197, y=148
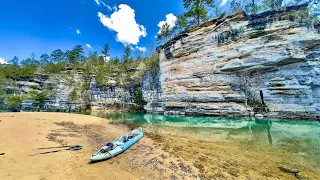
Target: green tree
x=2, y=87
x=251, y=6
x=14, y=61
x=198, y=9
x=272, y=4
x=57, y=56
x=39, y=97
x=181, y=22
x=75, y=55
x=165, y=33
x=53, y=68
x=105, y=50
x=30, y=62
x=14, y=103
x=127, y=54
x=73, y=96
x=138, y=99
x=44, y=59
x=236, y=6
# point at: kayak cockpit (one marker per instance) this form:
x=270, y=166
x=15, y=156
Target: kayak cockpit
x=119, y=145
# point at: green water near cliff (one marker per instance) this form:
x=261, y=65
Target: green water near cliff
x=253, y=147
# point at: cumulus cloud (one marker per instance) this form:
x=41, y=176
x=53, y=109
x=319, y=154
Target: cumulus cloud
x=123, y=22
x=2, y=61
x=89, y=46
x=78, y=32
x=223, y=2
x=142, y=49
x=98, y=2
x=170, y=19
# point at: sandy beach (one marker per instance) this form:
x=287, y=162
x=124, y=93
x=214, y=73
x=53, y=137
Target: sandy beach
x=22, y=133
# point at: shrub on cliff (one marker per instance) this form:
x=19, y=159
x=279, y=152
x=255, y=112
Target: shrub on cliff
x=14, y=103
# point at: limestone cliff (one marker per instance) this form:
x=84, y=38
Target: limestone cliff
x=87, y=91
x=271, y=60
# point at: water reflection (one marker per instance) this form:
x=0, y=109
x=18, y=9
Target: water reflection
x=298, y=139
x=297, y=136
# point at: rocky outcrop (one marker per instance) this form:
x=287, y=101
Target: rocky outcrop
x=62, y=85
x=269, y=61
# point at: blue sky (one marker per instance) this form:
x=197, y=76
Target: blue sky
x=38, y=26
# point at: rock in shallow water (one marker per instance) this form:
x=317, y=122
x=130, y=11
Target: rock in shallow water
x=288, y=169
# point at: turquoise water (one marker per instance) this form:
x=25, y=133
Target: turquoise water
x=273, y=132
x=290, y=142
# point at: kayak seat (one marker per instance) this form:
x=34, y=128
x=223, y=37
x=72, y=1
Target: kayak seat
x=135, y=132
x=123, y=138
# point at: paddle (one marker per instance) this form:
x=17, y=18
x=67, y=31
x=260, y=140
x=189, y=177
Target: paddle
x=70, y=148
x=54, y=147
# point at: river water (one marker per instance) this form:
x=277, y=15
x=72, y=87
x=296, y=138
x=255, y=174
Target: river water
x=235, y=148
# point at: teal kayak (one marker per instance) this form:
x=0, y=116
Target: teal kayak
x=119, y=145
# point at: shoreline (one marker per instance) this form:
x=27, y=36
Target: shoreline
x=22, y=133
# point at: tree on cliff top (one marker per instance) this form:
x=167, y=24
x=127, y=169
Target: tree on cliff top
x=14, y=61
x=197, y=9
x=105, y=50
x=57, y=56
x=165, y=33
x=272, y=4
x=127, y=54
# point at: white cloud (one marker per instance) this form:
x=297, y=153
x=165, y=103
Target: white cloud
x=2, y=61
x=123, y=22
x=98, y=2
x=115, y=8
x=142, y=49
x=106, y=58
x=89, y=46
x=170, y=19
x=223, y=2
x=78, y=32
x=109, y=8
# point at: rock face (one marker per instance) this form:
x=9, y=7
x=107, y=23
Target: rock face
x=271, y=60
x=98, y=97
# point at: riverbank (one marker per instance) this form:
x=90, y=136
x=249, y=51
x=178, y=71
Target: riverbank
x=235, y=148
x=22, y=133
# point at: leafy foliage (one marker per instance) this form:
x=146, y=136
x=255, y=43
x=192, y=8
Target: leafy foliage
x=105, y=50
x=14, y=102
x=197, y=9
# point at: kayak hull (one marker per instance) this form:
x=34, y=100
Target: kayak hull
x=119, y=149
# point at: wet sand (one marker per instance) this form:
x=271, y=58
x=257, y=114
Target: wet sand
x=233, y=156
x=22, y=133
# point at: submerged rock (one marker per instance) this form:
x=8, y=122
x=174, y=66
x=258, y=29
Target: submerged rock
x=288, y=169
x=259, y=116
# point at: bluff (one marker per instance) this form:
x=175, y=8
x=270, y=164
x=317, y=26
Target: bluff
x=242, y=65
x=85, y=89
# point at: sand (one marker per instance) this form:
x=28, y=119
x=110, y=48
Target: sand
x=22, y=133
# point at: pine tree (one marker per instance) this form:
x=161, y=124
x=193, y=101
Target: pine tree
x=14, y=61
x=105, y=50
x=236, y=6
x=127, y=54
x=197, y=9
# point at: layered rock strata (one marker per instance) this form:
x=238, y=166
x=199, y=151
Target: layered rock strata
x=243, y=64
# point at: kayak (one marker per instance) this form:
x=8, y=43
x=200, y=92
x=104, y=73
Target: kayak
x=119, y=145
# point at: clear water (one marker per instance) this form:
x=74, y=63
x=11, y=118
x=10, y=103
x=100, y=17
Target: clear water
x=285, y=142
